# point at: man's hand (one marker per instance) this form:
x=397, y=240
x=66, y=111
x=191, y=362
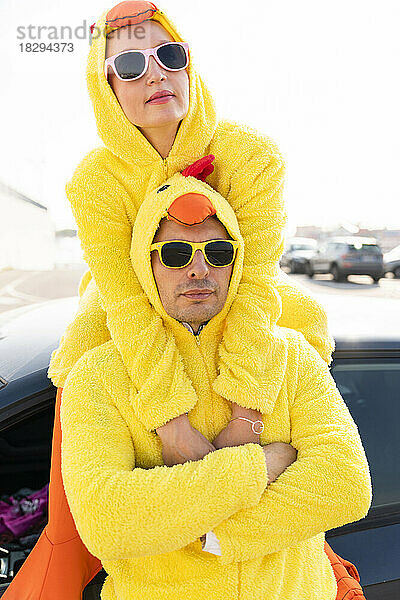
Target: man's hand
x=238, y=432
x=278, y=457
x=182, y=442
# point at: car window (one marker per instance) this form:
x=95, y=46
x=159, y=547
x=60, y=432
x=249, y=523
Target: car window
x=371, y=390
x=368, y=248
x=340, y=247
x=26, y=451
x=302, y=247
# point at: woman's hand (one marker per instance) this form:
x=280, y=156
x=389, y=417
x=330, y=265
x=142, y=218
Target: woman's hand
x=182, y=442
x=238, y=432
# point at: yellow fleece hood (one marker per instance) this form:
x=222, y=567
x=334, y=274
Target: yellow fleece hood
x=123, y=138
x=153, y=209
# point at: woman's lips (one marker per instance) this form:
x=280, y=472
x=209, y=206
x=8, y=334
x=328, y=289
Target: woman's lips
x=161, y=100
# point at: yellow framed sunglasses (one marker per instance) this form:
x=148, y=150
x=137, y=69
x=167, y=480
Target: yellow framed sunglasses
x=176, y=254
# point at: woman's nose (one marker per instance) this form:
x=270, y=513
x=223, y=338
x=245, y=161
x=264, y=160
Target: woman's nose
x=154, y=71
x=199, y=267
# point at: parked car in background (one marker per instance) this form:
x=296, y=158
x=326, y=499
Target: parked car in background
x=343, y=256
x=391, y=261
x=366, y=368
x=297, y=252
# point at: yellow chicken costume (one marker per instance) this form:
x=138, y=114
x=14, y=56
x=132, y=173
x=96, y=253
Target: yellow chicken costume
x=106, y=191
x=143, y=520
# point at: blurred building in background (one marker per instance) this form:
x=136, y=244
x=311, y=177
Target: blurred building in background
x=69, y=252
x=386, y=238
x=27, y=233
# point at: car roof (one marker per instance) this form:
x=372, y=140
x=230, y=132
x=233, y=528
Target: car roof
x=302, y=240
x=393, y=254
x=29, y=334
x=352, y=240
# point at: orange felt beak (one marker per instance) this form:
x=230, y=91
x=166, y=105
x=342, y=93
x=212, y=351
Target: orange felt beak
x=190, y=209
x=130, y=12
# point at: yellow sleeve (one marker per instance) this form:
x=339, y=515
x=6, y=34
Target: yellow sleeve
x=121, y=510
x=105, y=231
x=304, y=313
x=250, y=350
x=87, y=330
x=327, y=486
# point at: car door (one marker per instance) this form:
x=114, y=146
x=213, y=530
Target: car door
x=330, y=256
x=318, y=258
x=284, y=262
x=26, y=431
x=370, y=385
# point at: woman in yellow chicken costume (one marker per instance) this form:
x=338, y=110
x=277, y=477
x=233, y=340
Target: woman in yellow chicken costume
x=106, y=192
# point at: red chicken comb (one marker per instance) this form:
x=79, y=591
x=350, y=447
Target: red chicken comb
x=200, y=168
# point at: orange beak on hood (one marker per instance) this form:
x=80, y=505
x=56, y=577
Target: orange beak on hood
x=133, y=12
x=193, y=208
x=190, y=209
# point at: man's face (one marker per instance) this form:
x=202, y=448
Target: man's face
x=197, y=292
x=133, y=96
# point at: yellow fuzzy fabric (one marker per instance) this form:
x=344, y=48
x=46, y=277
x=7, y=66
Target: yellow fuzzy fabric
x=143, y=520
x=105, y=193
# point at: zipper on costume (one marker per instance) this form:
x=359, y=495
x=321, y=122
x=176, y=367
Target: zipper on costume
x=201, y=354
x=165, y=166
x=207, y=374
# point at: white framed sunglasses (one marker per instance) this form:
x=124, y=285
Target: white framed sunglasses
x=132, y=64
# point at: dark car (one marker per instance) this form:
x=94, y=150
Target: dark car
x=343, y=256
x=366, y=368
x=391, y=261
x=297, y=253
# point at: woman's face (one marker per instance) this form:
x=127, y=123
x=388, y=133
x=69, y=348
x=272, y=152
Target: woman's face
x=133, y=96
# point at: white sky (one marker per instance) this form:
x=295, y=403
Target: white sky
x=319, y=78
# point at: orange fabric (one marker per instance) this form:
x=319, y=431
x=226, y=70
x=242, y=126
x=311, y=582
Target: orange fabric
x=60, y=566
x=190, y=209
x=129, y=13
x=347, y=576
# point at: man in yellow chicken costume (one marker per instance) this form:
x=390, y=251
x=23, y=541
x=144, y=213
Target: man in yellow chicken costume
x=144, y=519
